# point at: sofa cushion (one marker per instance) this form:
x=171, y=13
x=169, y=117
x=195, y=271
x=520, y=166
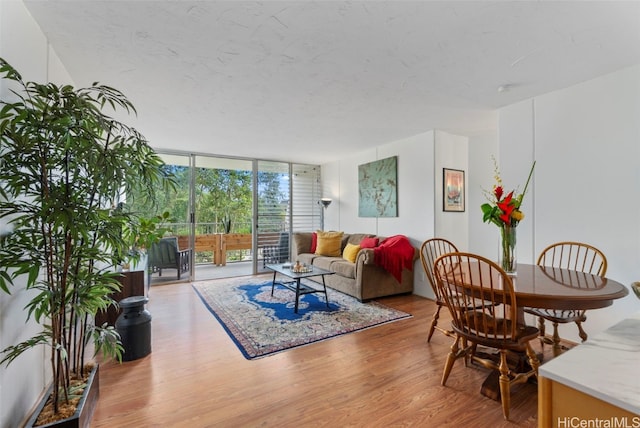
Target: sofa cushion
x=329, y=244
x=344, y=268
x=302, y=242
x=369, y=242
x=325, y=263
x=350, y=252
x=314, y=242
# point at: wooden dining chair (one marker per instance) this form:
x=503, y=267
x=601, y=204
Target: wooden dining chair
x=465, y=279
x=574, y=256
x=430, y=250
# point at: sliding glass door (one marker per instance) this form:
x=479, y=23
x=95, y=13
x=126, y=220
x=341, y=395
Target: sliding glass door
x=288, y=198
x=222, y=221
x=233, y=216
x=210, y=228
x=170, y=260
x=273, y=220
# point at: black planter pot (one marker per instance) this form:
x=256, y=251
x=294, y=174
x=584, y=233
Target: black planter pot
x=86, y=406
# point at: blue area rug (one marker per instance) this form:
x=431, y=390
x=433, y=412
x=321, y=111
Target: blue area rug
x=261, y=324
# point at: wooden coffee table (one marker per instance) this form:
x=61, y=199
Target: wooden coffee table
x=295, y=285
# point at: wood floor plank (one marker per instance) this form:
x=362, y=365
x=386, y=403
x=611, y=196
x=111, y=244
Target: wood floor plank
x=384, y=376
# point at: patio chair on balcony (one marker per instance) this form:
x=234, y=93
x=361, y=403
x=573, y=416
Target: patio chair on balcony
x=165, y=254
x=279, y=253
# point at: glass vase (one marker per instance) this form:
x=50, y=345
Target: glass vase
x=508, y=259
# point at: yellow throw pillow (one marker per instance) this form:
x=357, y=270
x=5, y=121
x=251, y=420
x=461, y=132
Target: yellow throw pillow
x=350, y=252
x=329, y=244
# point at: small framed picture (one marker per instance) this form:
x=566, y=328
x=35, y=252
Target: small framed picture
x=452, y=190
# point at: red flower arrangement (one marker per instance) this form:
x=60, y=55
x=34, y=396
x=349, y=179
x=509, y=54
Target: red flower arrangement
x=505, y=211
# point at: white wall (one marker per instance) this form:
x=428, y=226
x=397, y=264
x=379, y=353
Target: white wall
x=420, y=216
x=451, y=152
x=23, y=382
x=586, y=141
x=512, y=148
x=415, y=195
x=483, y=237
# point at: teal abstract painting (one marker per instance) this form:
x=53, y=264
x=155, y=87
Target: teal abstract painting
x=378, y=188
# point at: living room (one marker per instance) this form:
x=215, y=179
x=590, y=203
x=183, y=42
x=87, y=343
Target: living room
x=584, y=137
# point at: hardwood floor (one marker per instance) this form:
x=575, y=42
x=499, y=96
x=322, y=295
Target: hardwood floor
x=382, y=377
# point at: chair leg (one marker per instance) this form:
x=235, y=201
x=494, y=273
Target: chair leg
x=505, y=393
x=542, y=334
x=434, y=323
x=581, y=332
x=451, y=358
x=557, y=349
x=534, y=362
x=468, y=358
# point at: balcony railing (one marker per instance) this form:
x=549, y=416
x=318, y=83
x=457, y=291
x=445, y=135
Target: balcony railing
x=220, y=248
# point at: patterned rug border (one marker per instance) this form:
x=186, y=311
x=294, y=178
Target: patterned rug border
x=249, y=345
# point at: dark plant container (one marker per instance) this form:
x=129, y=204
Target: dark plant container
x=84, y=412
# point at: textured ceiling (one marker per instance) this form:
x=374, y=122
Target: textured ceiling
x=313, y=81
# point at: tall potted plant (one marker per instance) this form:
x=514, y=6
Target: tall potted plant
x=64, y=165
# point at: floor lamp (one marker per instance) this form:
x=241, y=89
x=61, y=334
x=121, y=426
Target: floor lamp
x=325, y=203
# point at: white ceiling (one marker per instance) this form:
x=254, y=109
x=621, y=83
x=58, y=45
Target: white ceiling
x=312, y=81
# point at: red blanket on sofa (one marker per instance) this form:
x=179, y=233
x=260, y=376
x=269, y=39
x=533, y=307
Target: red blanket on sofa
x=393, y=254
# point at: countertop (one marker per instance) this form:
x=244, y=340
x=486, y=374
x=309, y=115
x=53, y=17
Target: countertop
x=606, y=366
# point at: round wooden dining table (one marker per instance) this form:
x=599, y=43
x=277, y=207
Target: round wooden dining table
x=554, y=288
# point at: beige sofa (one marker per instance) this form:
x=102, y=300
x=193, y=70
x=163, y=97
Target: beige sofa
x=363, y=279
